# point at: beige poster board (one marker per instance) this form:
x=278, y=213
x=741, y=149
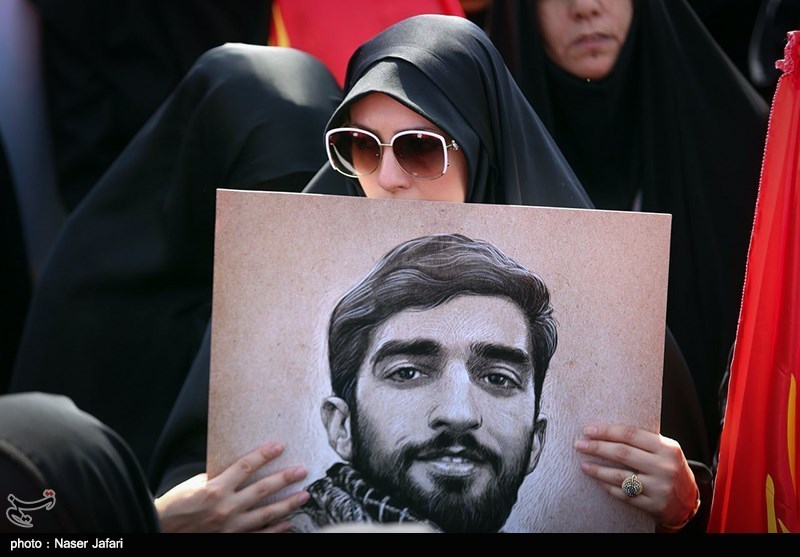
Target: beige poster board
x=282, y=261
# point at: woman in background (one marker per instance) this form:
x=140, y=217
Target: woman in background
x=124, y=299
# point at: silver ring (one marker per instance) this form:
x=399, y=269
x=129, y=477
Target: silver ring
x=632, y=486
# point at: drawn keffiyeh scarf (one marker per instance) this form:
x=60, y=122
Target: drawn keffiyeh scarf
x=342, y=496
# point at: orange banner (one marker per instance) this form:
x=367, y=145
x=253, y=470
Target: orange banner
x=332, y=31
x=757, y=478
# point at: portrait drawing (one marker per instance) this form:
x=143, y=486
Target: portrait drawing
x=431, y=362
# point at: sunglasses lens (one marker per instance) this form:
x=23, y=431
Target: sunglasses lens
x=356, y=153
x=353, y=153
x=420, y=155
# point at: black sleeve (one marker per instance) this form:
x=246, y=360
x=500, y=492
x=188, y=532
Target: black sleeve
x=180, y=452
x=49, y=448
x=681, y=416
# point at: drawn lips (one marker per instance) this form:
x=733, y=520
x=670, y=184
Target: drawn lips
x=453, y=461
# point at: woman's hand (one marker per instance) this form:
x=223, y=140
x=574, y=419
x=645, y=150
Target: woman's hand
x=670, y=492
x=222, y=505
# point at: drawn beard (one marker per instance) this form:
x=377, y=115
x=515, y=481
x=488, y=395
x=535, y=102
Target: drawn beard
x=452, y=504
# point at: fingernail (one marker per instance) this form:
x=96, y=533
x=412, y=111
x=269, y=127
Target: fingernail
x=585, y=466
x=299, y=473
x=581, y=445
x=590, y=430
x=302, y=497
x=272, y=449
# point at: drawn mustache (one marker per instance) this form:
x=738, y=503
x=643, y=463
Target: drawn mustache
x=447, y=444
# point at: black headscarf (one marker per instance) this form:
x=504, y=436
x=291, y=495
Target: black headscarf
x=446, y=69
x=125, y=297
x=676, y=121
x=48, y=444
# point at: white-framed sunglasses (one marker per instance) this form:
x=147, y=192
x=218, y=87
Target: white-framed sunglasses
x=421, y=154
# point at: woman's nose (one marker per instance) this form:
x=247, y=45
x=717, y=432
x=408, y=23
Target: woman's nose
x=390, y=176
x=585, y=8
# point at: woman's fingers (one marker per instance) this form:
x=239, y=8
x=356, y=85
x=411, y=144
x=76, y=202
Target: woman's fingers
x=232, y=501
x=270, y=485
x=669, y=489
x=277, y=528
x=611, y=480
x=272, y=517
x=236, y=474
x=275, y=513
x=625, y=434
x=245, y=506
x=612, y=477
x=623, y=445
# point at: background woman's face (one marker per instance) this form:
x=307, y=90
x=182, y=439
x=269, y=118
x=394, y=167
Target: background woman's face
x=384, y=116
x=584, y=37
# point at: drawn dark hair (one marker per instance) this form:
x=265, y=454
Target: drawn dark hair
x=424, y=273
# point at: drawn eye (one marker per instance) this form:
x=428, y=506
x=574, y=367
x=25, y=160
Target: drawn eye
x=500, y=380
x=405, y=374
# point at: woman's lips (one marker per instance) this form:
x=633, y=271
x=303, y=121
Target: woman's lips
x=592, y=41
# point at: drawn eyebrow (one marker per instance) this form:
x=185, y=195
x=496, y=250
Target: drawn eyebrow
x=502, y=352
x=413, y=347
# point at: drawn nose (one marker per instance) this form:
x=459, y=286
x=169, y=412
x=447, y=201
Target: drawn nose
x=455, y=407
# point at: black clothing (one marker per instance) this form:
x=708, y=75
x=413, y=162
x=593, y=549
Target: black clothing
x=731, y=23
x=775, y=20
x=49, y=445
x=17, y=281
x=108, y=66
x=677, y=125
x=180, y=452
x=125, y=298
x=753, y=33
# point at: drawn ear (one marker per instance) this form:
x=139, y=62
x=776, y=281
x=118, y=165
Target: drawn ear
x=336, y=419
x=539, y=435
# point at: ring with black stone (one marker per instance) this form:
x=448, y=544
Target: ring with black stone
x=632, y=486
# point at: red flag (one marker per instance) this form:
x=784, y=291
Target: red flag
x=332, y=30
x=757, y=479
